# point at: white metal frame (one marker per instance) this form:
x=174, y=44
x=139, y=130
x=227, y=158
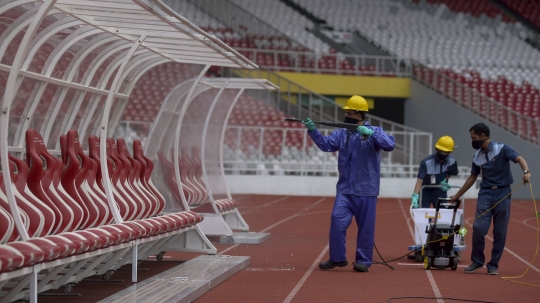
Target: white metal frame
x=138, y=34
x=181, y=96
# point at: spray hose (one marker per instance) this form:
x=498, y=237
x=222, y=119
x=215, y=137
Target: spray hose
x=511, y=279
x=348, y=126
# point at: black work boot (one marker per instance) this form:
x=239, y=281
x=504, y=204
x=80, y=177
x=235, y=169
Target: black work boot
x=329, y=264
x=360, y=267
x=473, y=267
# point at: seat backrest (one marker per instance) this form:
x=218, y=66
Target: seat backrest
x=122, y=205
x=64, y=159
x=58, y=190
x=129, y=209
x=191, y=191
x=91, y=189
x=189, y=178
x=6, y=220
x=93, y=152
x=8, y=231
x=134, y=175
x=86, y=179
x=97, y=182
x=36, y=170
x=169, y=176
x=72, y=212
x=27, y=201
x=197, y=173
x=73, y=177
x=146, y=173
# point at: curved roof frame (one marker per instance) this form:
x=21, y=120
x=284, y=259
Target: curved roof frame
x=181, y=97
x=9, y=95
x=242, y=85
x=127, y=29
x=41, y=39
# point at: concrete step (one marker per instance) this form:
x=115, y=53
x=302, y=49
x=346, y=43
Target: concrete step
x=241, y=238
x=183, y=283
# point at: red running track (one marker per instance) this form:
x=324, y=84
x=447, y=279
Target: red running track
x=284, y=269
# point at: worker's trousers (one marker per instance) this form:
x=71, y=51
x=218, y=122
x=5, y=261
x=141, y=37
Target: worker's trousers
x=487, y=198
x=363, y=208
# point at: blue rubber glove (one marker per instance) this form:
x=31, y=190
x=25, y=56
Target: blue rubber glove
x=309, y=124
x=414, y=201
x=445, y=185
x=364, y=131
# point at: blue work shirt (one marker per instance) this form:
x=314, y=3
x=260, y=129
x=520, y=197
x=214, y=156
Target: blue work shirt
x=359, y=160
x=494, y=164
x=431, y=165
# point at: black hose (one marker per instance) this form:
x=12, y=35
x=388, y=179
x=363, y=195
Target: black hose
x=383, y=262
x=440, y=298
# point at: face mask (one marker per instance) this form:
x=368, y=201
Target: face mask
x=442, y=156
x=350, y=120
x=476, y=144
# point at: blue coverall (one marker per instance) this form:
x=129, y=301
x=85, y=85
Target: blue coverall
x=357, y=188
x=494, y=166
x=432, y=166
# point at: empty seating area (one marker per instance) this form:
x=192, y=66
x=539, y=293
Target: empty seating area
x=193, y=186
x=69, y=224
x=437, y=36
x=472, y=42
x=295, y=49
x=476, y=8
x=523, y=99
x=151, y=89
x=250, y=112
x=530, y=10
x=286, y=20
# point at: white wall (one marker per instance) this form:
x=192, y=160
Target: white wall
x=319, y=186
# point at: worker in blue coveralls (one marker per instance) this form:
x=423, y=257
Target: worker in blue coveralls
x=435, y=169
x=492, y=160
x=358, y=185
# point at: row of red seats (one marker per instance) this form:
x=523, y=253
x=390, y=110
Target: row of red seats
x=475, y=8
x=525, y=98
x=152, y=88
x=527, y=107
x=64, y=201
x=530, y=10
x=191, y=178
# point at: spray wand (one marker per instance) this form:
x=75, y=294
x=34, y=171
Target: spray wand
x=349, y=126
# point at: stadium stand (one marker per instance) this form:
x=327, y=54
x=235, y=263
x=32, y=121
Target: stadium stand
x=288, y=21
x=530, y=10
x=458, y=41
x=472, y=43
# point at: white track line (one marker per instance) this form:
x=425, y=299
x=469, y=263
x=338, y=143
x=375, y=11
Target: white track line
x=306, y=275
x=276, y=224
x=508, y=250
x=434, y=286
x=266, y=204
x=293, y=216
x=525, y=222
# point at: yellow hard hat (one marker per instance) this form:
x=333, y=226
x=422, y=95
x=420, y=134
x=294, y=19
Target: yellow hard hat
x=445, y=143
x=356, y=103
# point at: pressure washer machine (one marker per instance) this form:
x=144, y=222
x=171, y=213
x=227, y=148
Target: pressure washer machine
x=438, y=251
x=432, y=224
